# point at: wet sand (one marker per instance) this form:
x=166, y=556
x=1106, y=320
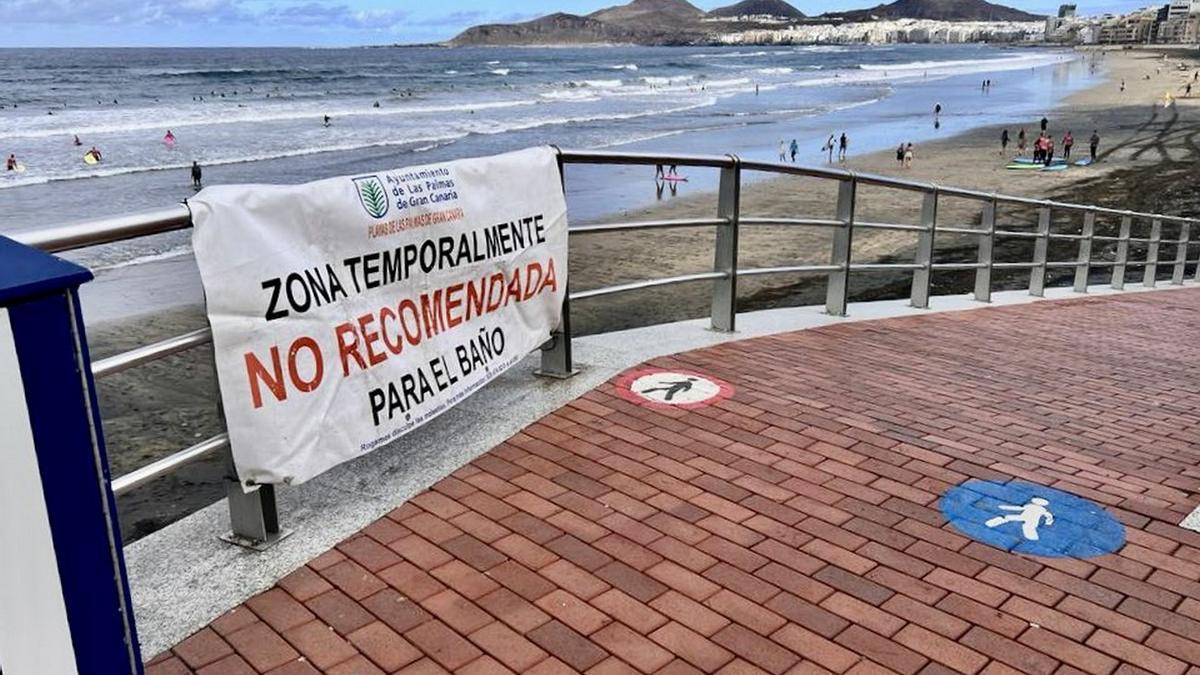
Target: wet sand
x=1147, y=162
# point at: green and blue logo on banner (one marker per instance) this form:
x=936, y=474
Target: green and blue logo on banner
x=1032, y=519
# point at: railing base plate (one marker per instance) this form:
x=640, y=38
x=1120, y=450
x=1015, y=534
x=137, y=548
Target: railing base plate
x=555, y=375
x=258, y=545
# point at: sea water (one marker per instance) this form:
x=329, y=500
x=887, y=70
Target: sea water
x=257, y=115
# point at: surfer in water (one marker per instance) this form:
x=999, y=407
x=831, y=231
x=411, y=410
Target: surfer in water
x=197, y=174
x=169, y=139
x=94, y=153
x=77, y=142
x=326, y=121
x=11, y=164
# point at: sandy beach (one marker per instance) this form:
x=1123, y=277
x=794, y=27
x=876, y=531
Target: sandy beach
x=1147, y=159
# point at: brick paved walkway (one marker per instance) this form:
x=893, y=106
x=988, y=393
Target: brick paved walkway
x=794, y=527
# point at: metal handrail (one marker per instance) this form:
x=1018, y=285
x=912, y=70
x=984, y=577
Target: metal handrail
x=107, y=230
x=648, y=225
x=648, y=283
x=151, y=352
x=169, y=464
x=726, y=271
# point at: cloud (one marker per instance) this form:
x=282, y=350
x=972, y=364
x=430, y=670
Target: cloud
x=190, y=12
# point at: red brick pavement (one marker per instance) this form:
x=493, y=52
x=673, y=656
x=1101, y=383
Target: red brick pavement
x=794, y=527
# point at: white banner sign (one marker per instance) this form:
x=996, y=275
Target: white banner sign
x=348, y=311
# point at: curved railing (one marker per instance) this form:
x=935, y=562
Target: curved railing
x=255, y=520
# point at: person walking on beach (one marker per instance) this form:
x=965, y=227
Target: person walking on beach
x=1068, y=141
x=937, y=110
x=782, y=151
x=794, y=148
x=900, y=155
x=1021, y=143
x=842, y=143
x=908, y=156
x=1003, y=142
x=1045, y=122
x=828, y=147
x=1094, y=143
x=197, y=174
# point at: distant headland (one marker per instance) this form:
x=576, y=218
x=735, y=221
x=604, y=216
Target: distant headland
x=678, y=22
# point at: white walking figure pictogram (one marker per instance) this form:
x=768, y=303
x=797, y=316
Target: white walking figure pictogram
x=1030, y=516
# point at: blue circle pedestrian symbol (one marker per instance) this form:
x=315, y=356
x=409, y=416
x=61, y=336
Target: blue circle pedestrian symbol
x=1032, y=519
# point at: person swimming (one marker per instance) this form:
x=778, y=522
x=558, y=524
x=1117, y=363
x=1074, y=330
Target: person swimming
x=94, y=153
x=77, y=141
x=169, y=139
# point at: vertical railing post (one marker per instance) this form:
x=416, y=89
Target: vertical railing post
x=925, y=243
x=1118, y=275
x=253, y=515
x=725, y=256
x=1037, y=276
x=557, y=360
x=1181, y=250
x=843, y=237
x=65, y=604
x=1083, y=270
x=1151, y=271
x=983, y=274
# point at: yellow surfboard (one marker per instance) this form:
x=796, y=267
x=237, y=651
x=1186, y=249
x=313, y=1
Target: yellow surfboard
x=89, y=158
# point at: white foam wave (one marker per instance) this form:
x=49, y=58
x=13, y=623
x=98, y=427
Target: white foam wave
x=775, y=71
x=501, y=71
x=625, y=66
x=251, y=115
x=169, y=254
x=107, y=171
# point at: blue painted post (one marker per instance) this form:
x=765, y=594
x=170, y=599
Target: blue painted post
x=64, y=596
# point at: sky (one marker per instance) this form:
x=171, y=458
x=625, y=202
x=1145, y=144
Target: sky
x=317, y=23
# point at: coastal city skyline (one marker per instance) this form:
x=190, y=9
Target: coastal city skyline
x=214, y=23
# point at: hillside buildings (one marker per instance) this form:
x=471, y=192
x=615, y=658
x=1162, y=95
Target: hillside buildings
x=892, y=31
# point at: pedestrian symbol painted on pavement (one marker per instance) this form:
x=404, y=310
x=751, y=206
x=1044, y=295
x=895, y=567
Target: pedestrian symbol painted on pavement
x=662, y=388
x=1030, y=516
x=1032, y=519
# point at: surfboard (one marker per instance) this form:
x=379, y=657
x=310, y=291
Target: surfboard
x=20, y=168
x=1056, y=167
x=1084, y=162
x=89, y=158
x=1025, y=167
x=676, y=179
x=169, y=142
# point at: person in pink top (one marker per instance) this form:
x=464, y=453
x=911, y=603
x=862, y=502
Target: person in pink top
x=1068, y=141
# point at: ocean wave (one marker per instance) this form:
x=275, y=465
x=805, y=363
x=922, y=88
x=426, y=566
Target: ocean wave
x=106, y=172
x=731, y=55
x=169, y=254
x=253, y=115
x=775, y=71
x=501, y=71
x=660, y=81
x=1001, y=63
x=598, y=84
x=625, y=66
